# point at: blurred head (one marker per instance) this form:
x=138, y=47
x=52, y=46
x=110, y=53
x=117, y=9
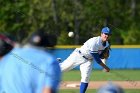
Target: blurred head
x=6, y=45
x=110, y=88
x=105, y=34
x=42, y=39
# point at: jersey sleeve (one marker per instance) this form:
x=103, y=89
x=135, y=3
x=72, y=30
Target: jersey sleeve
x=96, y=57
x=53, y=75
x=94, y=50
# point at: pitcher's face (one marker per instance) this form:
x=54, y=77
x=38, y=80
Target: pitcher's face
x=105, y=37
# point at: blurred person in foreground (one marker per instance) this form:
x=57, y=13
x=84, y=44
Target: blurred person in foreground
x=110, y=88
x=6, y=45
x=31, y=69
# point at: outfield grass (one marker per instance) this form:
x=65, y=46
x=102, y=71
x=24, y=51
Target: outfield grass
x=98, y=75
x=95, y=91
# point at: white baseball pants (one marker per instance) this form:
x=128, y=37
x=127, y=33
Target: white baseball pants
x=76, y=59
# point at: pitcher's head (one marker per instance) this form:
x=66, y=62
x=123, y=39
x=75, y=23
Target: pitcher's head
x=105, y=33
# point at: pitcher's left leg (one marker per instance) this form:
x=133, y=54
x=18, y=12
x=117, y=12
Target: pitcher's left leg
x=85, y=69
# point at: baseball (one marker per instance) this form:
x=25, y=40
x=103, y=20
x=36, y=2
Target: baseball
x=71, y=34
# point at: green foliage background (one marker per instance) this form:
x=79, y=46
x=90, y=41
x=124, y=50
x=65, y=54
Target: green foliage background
x=18, y=18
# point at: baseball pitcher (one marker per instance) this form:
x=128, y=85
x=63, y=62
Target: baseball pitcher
x=95, y=48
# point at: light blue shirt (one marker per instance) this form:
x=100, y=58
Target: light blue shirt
x=4, y=58
x=29, y=70
x=0, y=74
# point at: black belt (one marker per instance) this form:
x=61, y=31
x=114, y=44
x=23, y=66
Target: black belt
x=82, y=55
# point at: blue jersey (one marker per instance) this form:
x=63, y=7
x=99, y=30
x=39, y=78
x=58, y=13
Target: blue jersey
x=29, y=70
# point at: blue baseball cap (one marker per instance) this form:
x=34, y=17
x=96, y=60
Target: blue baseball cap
x=106, y=30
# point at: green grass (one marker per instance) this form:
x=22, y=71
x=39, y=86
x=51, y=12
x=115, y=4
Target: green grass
x=76, y=91
x=95, y=91
x=99, y=75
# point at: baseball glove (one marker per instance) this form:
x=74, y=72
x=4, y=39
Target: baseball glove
x=105, y=53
